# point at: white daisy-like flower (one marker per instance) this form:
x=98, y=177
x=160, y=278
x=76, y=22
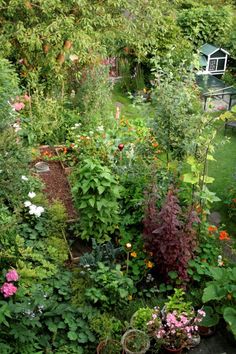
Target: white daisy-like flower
x=31, y=195
x=27, y=203
x=24, y=178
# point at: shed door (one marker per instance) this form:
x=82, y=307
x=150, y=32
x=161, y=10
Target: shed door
x=221, y=64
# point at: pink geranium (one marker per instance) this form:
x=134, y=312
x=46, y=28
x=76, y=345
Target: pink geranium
x=12, y=275
x=18, y=106
x=8, y=289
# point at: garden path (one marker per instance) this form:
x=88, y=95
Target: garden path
x=56, y=183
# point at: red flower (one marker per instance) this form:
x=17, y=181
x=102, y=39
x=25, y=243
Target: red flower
x=224, y=235
x=212, y=228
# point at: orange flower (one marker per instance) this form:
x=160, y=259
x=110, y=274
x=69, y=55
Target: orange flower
x=224, y=236
x=149, y=264
x=212, y=228
x=133, y=254
x=234, y=200
x=155, y=145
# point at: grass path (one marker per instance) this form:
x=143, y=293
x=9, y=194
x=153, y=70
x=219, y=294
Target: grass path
x=224, y=171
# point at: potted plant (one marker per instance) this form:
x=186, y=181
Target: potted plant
x=135, y=341
x=206, y=326
x=146, y=319
x=179, y=323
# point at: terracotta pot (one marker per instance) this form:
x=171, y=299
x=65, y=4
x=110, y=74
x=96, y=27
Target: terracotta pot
x=173, y=351
x=206, y=331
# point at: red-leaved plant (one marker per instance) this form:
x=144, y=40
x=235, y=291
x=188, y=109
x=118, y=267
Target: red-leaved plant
x=170, y=235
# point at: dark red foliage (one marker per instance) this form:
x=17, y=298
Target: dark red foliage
x=170, y=235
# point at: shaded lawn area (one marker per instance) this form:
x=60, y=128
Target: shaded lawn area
x=224, y=171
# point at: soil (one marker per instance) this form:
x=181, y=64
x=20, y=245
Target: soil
x=56, y=184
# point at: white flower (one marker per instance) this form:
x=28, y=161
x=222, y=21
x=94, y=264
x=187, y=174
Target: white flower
x=39, y=211
x=77, y=125
x=32, y=209
x=27, y=203
x=24, y=178
x=36, y=210
x=31, y=195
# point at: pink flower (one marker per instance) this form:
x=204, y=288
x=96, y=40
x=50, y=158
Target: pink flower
x=8, y=289
x=12, y=275
x=27, y=98
x=18, y=106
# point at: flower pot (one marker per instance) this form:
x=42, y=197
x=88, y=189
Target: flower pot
x=107, y=347
x=173, y=350
x=135, y=341
x=194, y=341
x=206, y=331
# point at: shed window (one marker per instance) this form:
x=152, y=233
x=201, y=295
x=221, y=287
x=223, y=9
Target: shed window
x=212, y=65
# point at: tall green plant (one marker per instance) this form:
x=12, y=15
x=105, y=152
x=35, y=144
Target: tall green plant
x=96, y=192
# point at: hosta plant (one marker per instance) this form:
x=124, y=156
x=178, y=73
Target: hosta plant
x=221, y=291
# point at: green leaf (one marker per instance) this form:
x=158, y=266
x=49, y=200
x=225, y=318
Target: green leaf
x=218, y=273
x=72, y=335
x=101, y=189
x=190, y=178
x=208, y=179
x=210, y=158
x=213, y=292
x=123, y=293
x=229, y=315
x=82, y=338
x=92, y=201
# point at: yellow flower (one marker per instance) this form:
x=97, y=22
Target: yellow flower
x=130, y=297
x=133, y=254
x=150, y=264
x=128, y=245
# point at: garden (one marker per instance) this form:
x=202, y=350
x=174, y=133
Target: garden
x=117, y=189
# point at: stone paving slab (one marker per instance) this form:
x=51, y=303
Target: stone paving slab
x=219, y=343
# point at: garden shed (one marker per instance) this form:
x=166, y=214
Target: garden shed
x=213, y=59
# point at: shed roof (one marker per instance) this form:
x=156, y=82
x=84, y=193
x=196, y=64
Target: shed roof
x=203, y=60
x=209, y=49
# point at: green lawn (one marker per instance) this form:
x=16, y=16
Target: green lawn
x=224, y=171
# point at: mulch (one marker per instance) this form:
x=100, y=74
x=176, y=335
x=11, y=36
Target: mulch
x=56, y=183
